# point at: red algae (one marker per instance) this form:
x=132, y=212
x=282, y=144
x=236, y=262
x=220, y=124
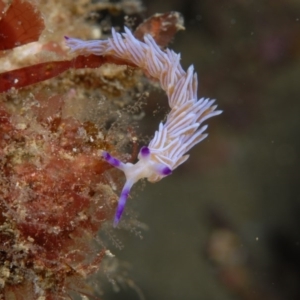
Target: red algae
x=21, y=24
x=54, y=200
x=39, y=72
x=162, y=27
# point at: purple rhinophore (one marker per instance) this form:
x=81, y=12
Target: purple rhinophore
x=66, y=37
x=111, y=160
x=145, y=151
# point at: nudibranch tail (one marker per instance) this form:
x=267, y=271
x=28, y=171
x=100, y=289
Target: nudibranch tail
x=182, y=129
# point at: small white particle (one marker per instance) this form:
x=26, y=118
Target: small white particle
x=109, y=254
x=21, y=126
x=96, y=32
x=30, y=239
x=100, y=136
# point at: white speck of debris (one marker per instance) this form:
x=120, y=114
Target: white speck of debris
x=21, y=126
x=100, y=136
x=109, y=254
x=30, y=239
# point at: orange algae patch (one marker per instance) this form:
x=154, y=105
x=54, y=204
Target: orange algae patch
x=20, y=24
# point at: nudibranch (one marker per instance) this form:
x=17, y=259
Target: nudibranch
x=182, y=128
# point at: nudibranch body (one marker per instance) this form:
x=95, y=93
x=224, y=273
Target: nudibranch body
x=181, y=131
